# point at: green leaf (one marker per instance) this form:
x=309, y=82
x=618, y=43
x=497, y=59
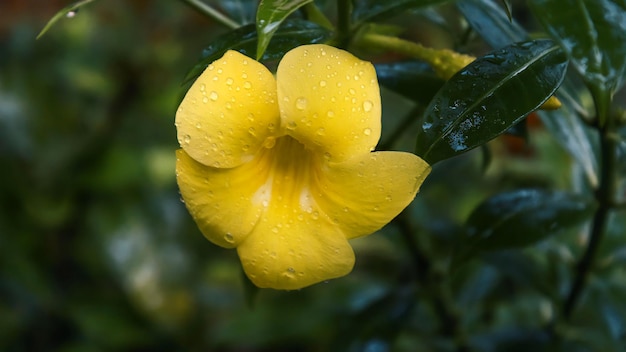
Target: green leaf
x=291, y=34
x=489, y=96
x=491, y=23
x=413, y=79
x=522, y=217
x=270, y=14
x=508, y=7
x=592, y=33
x=68, y=12
x=373, y=10
x=572, y=132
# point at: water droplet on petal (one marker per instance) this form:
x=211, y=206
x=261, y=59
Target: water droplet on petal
x=229, y=81
x=205, y=100
x=301, y=103
x=330, y=113
x=367, y=106
x=252, y=131
x=367, y=131
x=247, y=85
x=388, y=198
x=315, y=215
x=198, y=125
x=213, y=95
x=186, y=139
x=291, y=125
x=203, y=86
x=352, y=91
x=321, y=131
x=269, y=142
x=322, y=83
x=229, y=238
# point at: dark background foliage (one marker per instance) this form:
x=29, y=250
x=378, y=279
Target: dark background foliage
x=97, y=252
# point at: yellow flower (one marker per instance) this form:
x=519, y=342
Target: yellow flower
x=282, y=168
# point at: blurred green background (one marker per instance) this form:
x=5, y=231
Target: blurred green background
x=97, y=252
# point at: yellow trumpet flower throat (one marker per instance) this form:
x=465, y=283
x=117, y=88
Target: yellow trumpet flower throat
x=282, y=168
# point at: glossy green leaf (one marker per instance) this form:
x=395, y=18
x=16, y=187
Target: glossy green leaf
x=413, y=79
x=508, y=7
x=489, y=96
x=67, y=12
x=521, y=268
x=270, y=14
x=491, y=22
x=522, y=217
x=592, y=33
x=291, y=34
x=373, y=10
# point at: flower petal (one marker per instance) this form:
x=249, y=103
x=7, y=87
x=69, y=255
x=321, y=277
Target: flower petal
x=365, y=193
x=286, y=252
x=329, y=100
x=228, y=112
x=219, y=200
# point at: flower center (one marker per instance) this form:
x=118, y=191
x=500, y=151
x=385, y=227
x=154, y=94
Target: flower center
x=289, y=169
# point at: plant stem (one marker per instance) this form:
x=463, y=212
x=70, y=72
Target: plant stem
x=343, y=22
x=433, y=286
x=605, y=196
x=212, y=13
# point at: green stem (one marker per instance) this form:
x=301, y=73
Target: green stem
x=444, y=62
x=605, y=196
x=434, y=286
x=344, y=23
x=210, y=12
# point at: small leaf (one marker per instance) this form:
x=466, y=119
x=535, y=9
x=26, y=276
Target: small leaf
x=413, y=79
x=592, y=33
x=489, y=96
x=270, y=14
x=491, y=23
x=523, y=217
x=508, y=8
x=244, y=39
x=67, y=12
x=371, y=10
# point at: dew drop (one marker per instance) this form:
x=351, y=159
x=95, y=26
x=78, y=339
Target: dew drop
x=229, y=238
x=291, y=125
x=213, y=95
x=265, y=203
x=205, y=100
x=301, y=103
x=187, y=139
x=322, y=83
x=388, y=198
x=198, y=125
x=330, y=113
x=275, y=230
x=269, y=142
x=229, y=81
x=252, y=131
x=71, y=14
x=352, y=91
x=219, y=70
x=367, y=131
x=321, y=131
x=247, y=85
x=367, y=106
x=203, y=86
x=315, y=215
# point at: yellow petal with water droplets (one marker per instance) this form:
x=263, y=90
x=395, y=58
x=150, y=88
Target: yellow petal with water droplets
x=286, y=252
x=329, y=100
x=228, y=112
x=220, y=200
x=366, y=192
